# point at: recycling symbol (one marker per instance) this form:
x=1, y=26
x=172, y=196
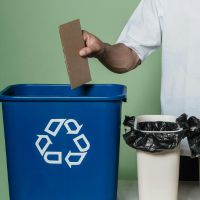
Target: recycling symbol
x=72, y=127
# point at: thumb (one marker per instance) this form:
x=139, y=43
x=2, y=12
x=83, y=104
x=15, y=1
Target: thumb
x=86, y=51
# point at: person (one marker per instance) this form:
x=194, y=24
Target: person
x=174, y=26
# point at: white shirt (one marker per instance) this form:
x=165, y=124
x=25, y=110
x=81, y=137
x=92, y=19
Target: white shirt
x=175, y=26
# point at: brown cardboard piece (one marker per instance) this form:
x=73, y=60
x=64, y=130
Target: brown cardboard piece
x=72, y=42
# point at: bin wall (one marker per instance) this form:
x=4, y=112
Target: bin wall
x=30, y=177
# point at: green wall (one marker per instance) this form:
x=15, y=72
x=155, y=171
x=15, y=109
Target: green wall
x=30, y=52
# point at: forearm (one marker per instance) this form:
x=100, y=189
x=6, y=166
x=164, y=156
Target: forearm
x=118, y=58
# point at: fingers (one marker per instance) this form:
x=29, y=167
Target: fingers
x=85, y=35
x=92, y=44
x=87, y=51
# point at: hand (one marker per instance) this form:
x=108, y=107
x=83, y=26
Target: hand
x=94, y=46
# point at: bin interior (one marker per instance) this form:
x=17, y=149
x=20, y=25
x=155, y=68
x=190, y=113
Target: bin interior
x=64, y=91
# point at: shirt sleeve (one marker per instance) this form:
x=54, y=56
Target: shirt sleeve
x=142, y=32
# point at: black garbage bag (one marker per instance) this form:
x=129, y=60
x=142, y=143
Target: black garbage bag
x=155, y=136
x=157, y=126
x=183, y=122
x=194, y=136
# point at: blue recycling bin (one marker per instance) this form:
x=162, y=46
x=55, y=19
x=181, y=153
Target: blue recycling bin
x=62, y=144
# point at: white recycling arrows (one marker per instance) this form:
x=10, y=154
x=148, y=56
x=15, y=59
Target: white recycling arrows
x=53, y=161
x=75, y=123
x=87, y=144
x=55, y=132
x=70, y=163
x=43, y=149
x=53, y=127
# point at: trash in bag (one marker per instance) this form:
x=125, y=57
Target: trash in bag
x=154, y=136
x=194, y=136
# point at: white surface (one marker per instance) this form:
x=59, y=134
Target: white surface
x=153, y=118
x=128, y=190
x=173, y=25
x=158, y=175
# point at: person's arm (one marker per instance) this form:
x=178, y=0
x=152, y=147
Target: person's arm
x=118, y=58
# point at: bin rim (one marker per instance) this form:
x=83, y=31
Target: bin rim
x=153, y=118
x=119, y=97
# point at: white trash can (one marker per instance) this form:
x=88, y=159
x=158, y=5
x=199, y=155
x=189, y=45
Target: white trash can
x=199, y=171
x=158, y=173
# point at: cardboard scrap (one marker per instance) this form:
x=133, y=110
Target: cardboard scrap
x=72, y=42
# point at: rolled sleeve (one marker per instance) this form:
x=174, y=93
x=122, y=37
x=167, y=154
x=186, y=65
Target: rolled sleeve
x=142, y=33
